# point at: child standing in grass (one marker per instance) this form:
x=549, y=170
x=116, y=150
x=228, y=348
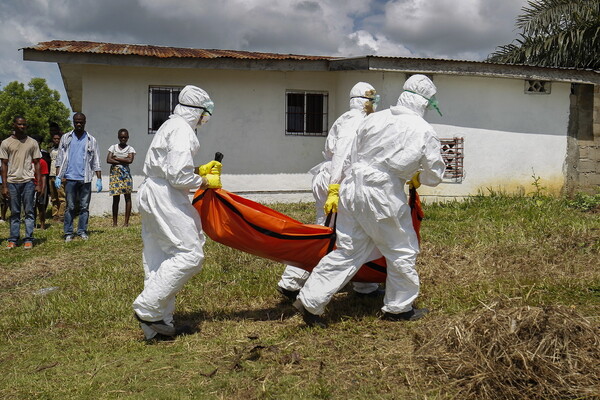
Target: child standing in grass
x=41, y=199
x=57, y=194
x=120, y=155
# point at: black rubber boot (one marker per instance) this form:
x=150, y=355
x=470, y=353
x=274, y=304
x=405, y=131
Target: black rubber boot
x=308, y=318
x=159, y=327
x=412, y=315
x=289, y=294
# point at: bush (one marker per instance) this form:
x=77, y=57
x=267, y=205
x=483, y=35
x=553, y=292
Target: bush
x=585, y=202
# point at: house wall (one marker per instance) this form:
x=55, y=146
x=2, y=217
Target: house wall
x=248, y=124
x=510, y=138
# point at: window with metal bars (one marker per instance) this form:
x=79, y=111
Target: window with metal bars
x=161, y=102
x=306, y=113
x=453, y=156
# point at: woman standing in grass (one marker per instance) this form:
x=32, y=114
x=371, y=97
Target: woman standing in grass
x=120, y=155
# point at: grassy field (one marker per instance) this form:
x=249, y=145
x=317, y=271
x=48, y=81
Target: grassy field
x=513, y=284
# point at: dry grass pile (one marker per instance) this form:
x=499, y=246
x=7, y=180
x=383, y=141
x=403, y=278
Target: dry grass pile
x=513, y=353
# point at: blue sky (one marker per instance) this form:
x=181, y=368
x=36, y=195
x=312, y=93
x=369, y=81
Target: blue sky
x=453, y=29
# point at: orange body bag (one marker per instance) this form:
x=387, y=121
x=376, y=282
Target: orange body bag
x=251, y=227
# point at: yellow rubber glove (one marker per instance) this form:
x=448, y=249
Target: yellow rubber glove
x=333, y=197
x=213, y=181
x=213, y=167
x=414, y=183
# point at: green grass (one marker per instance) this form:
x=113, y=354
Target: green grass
x=80, y=341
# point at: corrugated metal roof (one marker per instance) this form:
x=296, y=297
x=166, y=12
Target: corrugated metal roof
x=163, y=52
x=455, y=60
x=69, y=46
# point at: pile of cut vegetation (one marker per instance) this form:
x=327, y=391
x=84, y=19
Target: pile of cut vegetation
x=513, y=353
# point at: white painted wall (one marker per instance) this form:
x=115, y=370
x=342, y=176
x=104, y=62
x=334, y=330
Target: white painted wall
x=248, y=124
x=509, y=135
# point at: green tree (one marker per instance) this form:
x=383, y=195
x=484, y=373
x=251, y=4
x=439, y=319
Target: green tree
x=555, y=33
x=39, y=104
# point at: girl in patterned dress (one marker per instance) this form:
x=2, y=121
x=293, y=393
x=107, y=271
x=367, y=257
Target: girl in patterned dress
x=119, y=157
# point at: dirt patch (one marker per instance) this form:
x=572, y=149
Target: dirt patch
x=513, y=353
x=31, y=270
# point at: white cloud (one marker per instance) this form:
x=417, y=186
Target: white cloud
x=451, y=27
x=12, y=38
x=364, y=43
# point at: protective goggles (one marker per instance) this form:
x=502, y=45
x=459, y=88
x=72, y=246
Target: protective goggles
x=208, y=107
x=432, y=102
x=375, y=99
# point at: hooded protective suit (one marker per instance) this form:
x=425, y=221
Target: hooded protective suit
x=171, y=228
x=337, y=149
x=389, y=149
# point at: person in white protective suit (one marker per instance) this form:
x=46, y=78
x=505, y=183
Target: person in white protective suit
x=392, y=147
x=171, y=227
x=363, y=101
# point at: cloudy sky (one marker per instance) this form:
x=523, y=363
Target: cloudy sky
x=454, y=29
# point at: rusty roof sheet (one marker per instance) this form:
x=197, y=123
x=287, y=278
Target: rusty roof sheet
x=86, y=47
x=69, y=46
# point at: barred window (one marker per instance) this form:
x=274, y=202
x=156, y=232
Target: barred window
x=453, y=156
x=161, y=102
x=306, y=113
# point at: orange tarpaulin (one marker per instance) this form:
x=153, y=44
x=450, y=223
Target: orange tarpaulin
x=416, y=211
x=251, y=227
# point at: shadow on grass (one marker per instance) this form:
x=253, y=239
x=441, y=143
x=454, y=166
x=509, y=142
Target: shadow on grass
x=343, y=306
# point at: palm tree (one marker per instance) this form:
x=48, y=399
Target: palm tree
x=555, y=33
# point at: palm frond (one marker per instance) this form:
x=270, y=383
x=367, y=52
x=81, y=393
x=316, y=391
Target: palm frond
x=577, y=48
x=555, y=33
x=549, y=16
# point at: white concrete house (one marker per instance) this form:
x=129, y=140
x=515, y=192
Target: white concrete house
x=502, y=125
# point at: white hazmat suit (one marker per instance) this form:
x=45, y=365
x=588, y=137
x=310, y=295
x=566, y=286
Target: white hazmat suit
x=391, y=146
x=171, y=228
x=337, y=149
